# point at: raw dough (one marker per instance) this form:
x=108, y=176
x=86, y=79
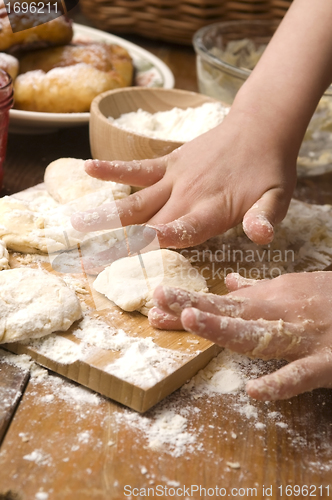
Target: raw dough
x=36, y=223
x=66, y=180
x=4, y=256
x=34, y=303
x=27, y=228
x=131, y=288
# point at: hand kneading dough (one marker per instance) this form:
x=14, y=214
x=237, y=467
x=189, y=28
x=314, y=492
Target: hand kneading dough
x=131, y=288
x=34, y=303
x=66, y=180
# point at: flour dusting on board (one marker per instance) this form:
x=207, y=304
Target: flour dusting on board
x=141, y=361
x=144, y=363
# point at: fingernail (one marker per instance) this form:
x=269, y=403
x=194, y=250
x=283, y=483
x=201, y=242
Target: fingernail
x=149, y=233
x=263, y=220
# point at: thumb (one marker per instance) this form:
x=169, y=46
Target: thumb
x=258, y=223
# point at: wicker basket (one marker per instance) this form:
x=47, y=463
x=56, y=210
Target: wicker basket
x=175, y=20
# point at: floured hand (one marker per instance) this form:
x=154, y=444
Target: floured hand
x=205, y=187
x=289, y=317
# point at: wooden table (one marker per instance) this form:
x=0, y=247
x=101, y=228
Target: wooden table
x=59, y=443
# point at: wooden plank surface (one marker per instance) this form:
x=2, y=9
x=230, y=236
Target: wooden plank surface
x=93, y=449
x=12, y=383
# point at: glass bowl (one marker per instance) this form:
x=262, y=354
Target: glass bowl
x=227, y=52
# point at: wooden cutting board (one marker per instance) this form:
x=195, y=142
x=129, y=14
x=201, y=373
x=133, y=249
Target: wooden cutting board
x=91, y=371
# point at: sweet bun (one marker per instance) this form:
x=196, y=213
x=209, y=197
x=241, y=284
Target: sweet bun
x=10, y=64
x=66, y=79
x=102, y=56
x=68, y=89
x=27, y=36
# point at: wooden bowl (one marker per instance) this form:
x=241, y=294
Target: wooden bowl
x=109, y=142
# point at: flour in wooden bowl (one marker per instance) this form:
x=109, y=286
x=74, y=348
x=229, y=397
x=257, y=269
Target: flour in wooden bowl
x=180, y=125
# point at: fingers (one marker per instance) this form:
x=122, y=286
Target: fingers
x=137, y=173
x=300, y=376
x=260, y=219
x=234, y=281
x=135, y=209
x=174, y=300
x=258, y=338
x=187, y=231
x=160, y=319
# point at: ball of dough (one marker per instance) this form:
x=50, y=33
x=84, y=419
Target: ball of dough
x=131, y=286
x=66, y=180
x=34, y=303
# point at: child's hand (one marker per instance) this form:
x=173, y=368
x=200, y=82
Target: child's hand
x=236, y=171
x=289, y=317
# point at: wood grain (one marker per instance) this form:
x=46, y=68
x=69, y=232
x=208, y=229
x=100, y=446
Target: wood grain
x=12, y=383
x=72, y=448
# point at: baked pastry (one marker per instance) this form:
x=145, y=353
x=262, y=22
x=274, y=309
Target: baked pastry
x=102, y=56
x=62, y=90
x=66, y=79
x=23, y=34
x=10, y=64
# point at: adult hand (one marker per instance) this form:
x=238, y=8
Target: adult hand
x=289, y=317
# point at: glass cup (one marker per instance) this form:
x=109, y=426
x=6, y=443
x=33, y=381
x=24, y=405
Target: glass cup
x=6, y=102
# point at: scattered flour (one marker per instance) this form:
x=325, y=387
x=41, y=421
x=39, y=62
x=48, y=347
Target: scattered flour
x=180, y=125
x=41, y=495
x=58, y=348
x=39, y=457
x=222, y=375
x=144, y=363
x=170, y=428
x=302, y=242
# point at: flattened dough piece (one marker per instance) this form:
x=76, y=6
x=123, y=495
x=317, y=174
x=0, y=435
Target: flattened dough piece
x=38, y=224
x=66, y=180
x=131, y=287
x=34, y=303
x=26, y=227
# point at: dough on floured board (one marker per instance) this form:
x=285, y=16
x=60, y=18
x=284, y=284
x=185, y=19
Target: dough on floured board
x=34, y=303
x=66, y=180
x=130, y=285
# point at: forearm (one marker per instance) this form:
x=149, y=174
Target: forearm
x=293, y=73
